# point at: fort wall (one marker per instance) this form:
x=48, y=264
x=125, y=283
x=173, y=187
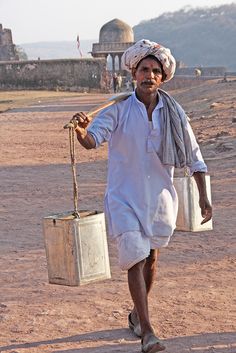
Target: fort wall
x=205, y=71
x=81, y=75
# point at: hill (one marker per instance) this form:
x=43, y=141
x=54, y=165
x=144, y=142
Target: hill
x=57, y=50
x=200, y=36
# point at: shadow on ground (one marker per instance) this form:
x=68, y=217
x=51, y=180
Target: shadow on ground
x=121, y=340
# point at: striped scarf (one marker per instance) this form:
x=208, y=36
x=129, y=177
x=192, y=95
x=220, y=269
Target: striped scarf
x=176, y=143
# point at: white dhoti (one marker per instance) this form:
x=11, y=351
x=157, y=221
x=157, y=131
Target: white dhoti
x=135, y=246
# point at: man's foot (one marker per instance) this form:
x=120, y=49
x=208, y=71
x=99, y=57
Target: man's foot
x=152, y=345
x=134, y=326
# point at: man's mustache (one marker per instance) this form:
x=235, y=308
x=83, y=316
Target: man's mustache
x=148, y=82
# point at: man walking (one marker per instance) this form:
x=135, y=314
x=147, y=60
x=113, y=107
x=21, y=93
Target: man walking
x=148, y=135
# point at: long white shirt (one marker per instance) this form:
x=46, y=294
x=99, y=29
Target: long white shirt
x=140, y=194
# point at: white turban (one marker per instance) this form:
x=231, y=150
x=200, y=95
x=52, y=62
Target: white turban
x=143, y=48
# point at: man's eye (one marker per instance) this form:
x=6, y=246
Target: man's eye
x=157, y=72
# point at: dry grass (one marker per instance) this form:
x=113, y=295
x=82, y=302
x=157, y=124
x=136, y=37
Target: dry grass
x=18, y=99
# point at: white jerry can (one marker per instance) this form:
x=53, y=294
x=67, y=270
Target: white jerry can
x=76, y=248
x=189, y=213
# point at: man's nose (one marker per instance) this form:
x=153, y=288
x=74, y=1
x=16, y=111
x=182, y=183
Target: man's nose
x=150, y=74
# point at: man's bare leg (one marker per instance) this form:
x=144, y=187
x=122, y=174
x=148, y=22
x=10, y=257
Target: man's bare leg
x=149, y=272
x=150, y=269
x=140, y=278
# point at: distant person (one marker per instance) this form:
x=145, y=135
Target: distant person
x=225, y=77
x=106, y=81
x=115, y=82
x=127, y=85
x=119, y=82
x=148, y=135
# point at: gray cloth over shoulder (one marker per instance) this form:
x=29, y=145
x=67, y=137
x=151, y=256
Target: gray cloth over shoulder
x=176, y=145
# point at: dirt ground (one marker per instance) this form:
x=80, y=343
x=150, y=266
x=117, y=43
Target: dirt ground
x=193, y=302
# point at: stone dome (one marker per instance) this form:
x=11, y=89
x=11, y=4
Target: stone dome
x=116, y=31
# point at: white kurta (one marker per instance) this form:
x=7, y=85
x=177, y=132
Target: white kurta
x=140, y=194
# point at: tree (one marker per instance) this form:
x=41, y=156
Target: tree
x=21, y=53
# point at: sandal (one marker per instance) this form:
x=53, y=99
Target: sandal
x=135, y=328
x=154, y=345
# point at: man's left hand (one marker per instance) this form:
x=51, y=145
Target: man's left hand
x=206, y=209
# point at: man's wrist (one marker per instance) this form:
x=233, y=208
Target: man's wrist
x=85, y=138
x=81, y=131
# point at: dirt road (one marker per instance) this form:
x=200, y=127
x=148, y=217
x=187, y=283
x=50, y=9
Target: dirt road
x=193, y=303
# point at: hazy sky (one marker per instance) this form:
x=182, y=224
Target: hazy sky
x=56, y=20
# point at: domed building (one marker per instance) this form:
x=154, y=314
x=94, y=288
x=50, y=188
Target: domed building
x=114, y=38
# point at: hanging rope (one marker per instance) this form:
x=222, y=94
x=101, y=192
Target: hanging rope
x=73, y=167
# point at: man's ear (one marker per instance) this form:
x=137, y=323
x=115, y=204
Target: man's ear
x=163, y=77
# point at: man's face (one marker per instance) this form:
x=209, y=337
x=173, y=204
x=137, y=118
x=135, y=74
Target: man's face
x=148, y=75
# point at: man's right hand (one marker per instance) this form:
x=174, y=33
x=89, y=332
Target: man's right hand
x=80, y=120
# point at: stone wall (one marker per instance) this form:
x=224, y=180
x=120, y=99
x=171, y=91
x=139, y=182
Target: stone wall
x=178, y=82
x=81, y=75
x=205, y=71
